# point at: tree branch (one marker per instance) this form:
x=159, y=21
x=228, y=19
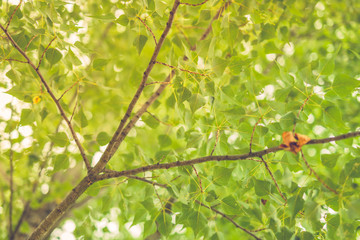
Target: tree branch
x=57, y=103
x=112, y=146
x=213, y=158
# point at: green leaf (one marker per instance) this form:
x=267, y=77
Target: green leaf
x=150, y=121
x=164, y=223
x=164, y=140
x=27, y=117
x=230, y=205
x=139, y=43
x=344, y=85
x=151, y=5
x=105, y=17
x=219, y=65
x=73, y=58
x=61, y=162
x=196, y=101
x=59, y=139
x=183, y=94
x=123, y=20
x=221, y=175
x=268, y=32
x=99, y=64
x=13, y=75
x=80, y=117
x=296, y=204
x=102, y=138
x=284, y=234
x=53, y=56
x=333, y=118
x=263, y=188
x=329, y=160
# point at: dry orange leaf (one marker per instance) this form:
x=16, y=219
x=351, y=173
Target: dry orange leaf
x=293, y=143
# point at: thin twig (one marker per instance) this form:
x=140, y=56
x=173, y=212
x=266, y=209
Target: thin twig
x=15, y=60
x=316, y=175
x=181, y=69
x=301, y=108
x=68, y=89
x=157, y=194
x=12, y=15
x=199, y=179
x=273, y=178
x=258, y=230
x=216, y=141
x=147, y=181
x=30, y=42
x=148, y=28
x=194, y=5
x=253, y=131
x=48, y=89
x=229, y=219
x=73, y=112
x=157, y=82
x=217, y=15
x=42, y=55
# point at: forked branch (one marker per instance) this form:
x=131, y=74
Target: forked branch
x=48, y=89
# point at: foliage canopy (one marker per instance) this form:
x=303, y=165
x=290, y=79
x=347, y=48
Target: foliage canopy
x=200, y=82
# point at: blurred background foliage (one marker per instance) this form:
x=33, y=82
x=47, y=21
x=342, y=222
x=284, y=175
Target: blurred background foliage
x=262, y=60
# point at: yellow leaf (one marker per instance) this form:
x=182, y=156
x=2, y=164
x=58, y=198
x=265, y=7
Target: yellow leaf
x=36, y=99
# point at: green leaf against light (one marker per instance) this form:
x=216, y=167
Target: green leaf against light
x=219, y=65
x=122, y=20
x=329, y=160
x=150, y=121
x=61, y=161
x=263, y=188
x=164, y=223
x=53, y=55
x=73, y=58
x=344, y=85
x=230, y=205
x=196, y=101
x=27, y=116
x=268, y=32
x=164, y=140
x=140, y=42
x=103, y=138
x=221, y=175
x=296, y=204
x=99, y=64
x=59, y=139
